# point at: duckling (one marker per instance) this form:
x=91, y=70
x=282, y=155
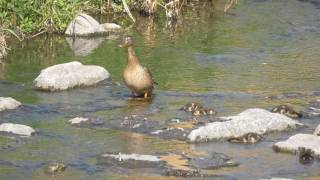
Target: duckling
x=306, y=156
x=55, y=168
x=202, y=111
x=193, y=106
x=286, y=110
x=247, y=138
x=136, y=77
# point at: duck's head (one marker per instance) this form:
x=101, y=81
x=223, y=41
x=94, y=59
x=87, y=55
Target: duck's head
x=127, y=42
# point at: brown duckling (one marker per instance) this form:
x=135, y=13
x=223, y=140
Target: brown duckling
x=286, y=110
x=137, y=77
x=203, y=112
x=193, y=106
x=247, y=138
x=306, y=156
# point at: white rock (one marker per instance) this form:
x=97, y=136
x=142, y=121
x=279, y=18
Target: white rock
x=77, y=120
x=308, y=141
x=137, y=157
x=258, y=121
x=317, y=131
x=18, y=129
x=70, y=75
x=84, y=25
x=8, y=103
x=111, y=26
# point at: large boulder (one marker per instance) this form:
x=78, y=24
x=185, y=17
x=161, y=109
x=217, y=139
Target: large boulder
x=8, y=103
x=17, y=129
x=83, y=25
x=307, y=141
x=69, y=75
x=258, y=121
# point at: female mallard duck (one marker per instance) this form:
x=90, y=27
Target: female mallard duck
x=137, y=78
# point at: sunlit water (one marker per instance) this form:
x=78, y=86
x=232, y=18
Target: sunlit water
x=227, y=61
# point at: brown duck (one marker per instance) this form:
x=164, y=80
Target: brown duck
x=137, y=77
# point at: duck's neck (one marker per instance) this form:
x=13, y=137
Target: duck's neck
x=132, y=58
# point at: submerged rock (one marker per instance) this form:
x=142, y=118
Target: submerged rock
x=314, y=108
x=8, y=103
x=69, y=75
x=130, y=160
x=171, y=164
x=317, y=131
x=213, y=161
x=258, y=121
x=78, y=120
x=83, y=25
x=307, y=141
x=17, y=129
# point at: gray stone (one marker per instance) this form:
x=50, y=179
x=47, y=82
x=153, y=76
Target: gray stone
x=8, y=103
x=17, y=129
x=84, y=25
x=317, y=131
x=307, y=141
x=277, y=178
x=69, y=75
x=258, y=121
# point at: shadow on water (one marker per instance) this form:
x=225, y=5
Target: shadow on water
x=229, y=62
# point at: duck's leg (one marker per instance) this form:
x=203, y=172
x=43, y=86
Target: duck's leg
x=146, y=95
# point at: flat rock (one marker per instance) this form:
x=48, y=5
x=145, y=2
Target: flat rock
x=69, y=75
x=307, y=141
x=78, y=120
x=17, y=129
x=256, y=120
x=8, y=103
x=84, y=25
x=317, y=131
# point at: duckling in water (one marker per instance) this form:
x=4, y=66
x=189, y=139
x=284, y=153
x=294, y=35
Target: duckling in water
x=306, y=156
x=200, y=112
x=136, y=77
x=247, y=138
x=55, y=168
x=193, y=106
x=286, y=110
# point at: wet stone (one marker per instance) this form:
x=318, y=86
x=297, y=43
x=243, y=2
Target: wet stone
x=8, y=103
x=184, y=173
x=85, y=122
x=287, y=96
x=130, y=161
x=172, y=133
x=313, y=110
x=17, y=129
x=286, y=110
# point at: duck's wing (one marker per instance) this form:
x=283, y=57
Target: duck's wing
x=150, y=74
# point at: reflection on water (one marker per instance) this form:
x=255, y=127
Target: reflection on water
x=226, y=61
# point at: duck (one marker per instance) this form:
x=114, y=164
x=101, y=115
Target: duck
x=136, y=77
x=286, y=110
x=246, y=138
